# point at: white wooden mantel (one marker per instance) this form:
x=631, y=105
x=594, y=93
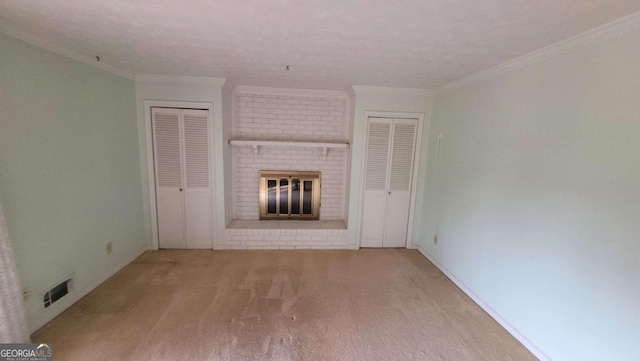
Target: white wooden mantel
x=255, y=144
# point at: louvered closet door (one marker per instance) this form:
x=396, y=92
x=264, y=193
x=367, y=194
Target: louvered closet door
x=389, y=161
x=197, y=195
x=399, y=189
x=375, y=185
x=169, y=183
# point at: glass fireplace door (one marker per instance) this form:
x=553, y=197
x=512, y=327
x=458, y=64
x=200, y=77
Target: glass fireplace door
x=289, y=195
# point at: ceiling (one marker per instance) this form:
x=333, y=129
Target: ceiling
x=328, y=44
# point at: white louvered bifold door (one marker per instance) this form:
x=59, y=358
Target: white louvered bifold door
x=197, y=195
x=183, y=183
x=399, y=193
x=167, y=149
x=375, y=188
x=388, y=177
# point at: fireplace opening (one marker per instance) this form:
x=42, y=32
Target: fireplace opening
x=289, y=195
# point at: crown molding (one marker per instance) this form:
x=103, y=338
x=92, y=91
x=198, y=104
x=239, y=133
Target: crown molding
x=62, y=50
x=362, y=90
x=313, y=93
x=595, y=35
x=154, y=78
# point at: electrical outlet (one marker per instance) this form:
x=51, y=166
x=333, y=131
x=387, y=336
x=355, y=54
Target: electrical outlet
x=435, y=239
x=109, y=247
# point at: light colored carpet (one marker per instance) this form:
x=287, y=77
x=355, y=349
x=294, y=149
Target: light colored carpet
x=279, y=305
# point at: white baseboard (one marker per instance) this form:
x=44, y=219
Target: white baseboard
x=504, y=323
x=282, y=248
x=75, y=295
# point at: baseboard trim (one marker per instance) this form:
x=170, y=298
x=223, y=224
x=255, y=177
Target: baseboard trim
x=503, y=322
x=75, y=295
x=282, y=248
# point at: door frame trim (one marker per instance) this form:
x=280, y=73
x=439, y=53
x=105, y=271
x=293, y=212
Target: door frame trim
x=151, y=176
x=414, y=171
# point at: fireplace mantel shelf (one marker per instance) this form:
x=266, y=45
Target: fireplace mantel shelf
x=289, y=143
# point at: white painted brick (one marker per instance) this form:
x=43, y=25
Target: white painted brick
x=271, y=247
x=297, y=118
x=322, y=243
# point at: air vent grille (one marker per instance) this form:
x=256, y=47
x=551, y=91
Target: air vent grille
x=57, y=292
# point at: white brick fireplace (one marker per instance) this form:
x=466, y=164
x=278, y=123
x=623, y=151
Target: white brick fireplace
x=279, y=130
x=260, y=116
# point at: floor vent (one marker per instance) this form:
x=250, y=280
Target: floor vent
x=57, y=292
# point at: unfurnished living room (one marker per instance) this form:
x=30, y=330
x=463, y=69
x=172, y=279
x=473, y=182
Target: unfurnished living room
x=441, y=180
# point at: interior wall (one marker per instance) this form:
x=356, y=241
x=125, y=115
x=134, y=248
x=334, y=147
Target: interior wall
x=227, y=155
x=385, y=100
x=185, y=89
x=351, y=109
x=535, y=198
x=68, y=181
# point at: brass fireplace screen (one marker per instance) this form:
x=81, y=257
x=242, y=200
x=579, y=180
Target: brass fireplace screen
x=289, y=195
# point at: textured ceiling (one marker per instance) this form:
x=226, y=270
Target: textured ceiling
x=329, y=44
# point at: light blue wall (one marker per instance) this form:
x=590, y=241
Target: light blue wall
x=69, y=171
x=536, y=198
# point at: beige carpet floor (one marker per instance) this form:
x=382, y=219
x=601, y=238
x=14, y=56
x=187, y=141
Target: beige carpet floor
x=279, y=305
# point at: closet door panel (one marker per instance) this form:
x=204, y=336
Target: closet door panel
x=377, y=155
x=197, y=198
x=373, y=219
x=170, y=219
x=196, y=149
x=397, y=220
x=198, y=220
x=400, y=174
x=404, y=136
x=169, y=183
x=375, y=188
